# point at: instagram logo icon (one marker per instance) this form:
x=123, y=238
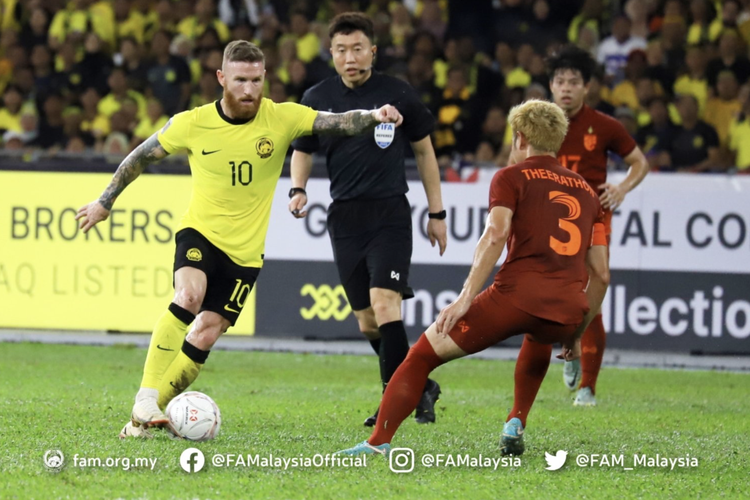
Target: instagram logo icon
x=401, y=460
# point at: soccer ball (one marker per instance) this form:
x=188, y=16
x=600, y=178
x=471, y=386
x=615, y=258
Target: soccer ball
x=194, y=416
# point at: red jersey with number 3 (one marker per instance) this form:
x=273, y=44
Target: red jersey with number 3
x=556, y=218
x=591, y=135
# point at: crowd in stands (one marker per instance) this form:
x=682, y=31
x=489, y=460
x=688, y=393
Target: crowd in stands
x=102, y=75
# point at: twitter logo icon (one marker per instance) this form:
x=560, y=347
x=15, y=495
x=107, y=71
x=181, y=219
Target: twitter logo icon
x=556, y=461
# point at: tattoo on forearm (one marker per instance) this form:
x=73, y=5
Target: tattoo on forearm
x=349, y=123
x=131, y=167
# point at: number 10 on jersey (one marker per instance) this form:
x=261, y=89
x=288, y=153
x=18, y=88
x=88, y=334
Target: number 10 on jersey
x=241, y=173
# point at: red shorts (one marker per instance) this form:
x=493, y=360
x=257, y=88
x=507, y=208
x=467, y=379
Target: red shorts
x=492, y=319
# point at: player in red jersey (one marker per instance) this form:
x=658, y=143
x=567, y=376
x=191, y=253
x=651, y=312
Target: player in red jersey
x=553, y=223
x=591, y=137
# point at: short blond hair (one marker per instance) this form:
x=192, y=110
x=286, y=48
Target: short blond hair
x=543, y=124
x=243, y=51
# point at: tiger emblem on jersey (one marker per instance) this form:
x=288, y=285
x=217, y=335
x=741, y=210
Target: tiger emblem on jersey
x=264, y=147
x=589, y=140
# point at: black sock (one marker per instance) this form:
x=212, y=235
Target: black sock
x=393, y=348
x=375, y=346
x=195, y=354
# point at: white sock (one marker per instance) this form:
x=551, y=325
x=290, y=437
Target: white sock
x=146, y=393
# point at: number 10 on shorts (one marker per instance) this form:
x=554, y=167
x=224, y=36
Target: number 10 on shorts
x=239, y=296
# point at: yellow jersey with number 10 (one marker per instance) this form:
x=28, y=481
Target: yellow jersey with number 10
x=235, y=166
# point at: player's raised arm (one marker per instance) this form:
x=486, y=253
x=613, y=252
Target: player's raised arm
x=356, y=121
x=131, y=167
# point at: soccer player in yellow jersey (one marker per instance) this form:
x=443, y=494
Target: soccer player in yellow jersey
x=236, y=148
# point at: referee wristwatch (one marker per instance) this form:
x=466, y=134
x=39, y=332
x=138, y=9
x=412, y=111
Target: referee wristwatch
x=441, y=215
x=294, y=191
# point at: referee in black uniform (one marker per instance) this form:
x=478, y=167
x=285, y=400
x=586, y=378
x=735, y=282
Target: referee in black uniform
x=369, y=221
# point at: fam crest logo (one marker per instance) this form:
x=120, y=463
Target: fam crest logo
x=264, y=147
x=194, y=254
x=328, y=303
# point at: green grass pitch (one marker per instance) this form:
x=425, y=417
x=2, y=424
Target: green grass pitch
x=76, y=399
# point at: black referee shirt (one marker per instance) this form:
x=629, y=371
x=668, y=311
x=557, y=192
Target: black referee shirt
x=369, y=165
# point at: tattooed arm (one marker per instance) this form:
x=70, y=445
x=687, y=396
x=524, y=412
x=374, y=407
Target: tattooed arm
x=356, y=121
x=131, y=167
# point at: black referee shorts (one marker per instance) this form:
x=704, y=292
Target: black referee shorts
x=229, y=284
x=372, y=244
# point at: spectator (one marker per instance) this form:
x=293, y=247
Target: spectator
x=673, y=32
x=12, y=141
x=129, y=21
x=402, y=29
x=165, y=19
x=35, y=32
x=638, y=12
x=70, y=23
x=730, y=14
x=695, y=147
x=694, y=81
x=94, y=125
x=119, y=91
x=614, y=50
x=594, y=95
x=95, y=66
x=657, y=69
x=702, y=13
x=208, y=90
x=520, y=76
x=544, y=28
x=131, y=60
x=204, y=18
x=493, y=129
x=722, y=109
x=626, y=117
x=729, y=58
x=624, y=93
x=656, y=138
x=420, y=75
x=51, y=131
x=587, y=21
x=75, y=145
x=29, y=124
x=739, y=136
x=168, y=75
x=277, y=90
x=10, y=114
x=297, y=83
x=154, y=121
x=41, y=63
x=68, y=79
x=431, y=19
x=455, y=132
x=72, y=119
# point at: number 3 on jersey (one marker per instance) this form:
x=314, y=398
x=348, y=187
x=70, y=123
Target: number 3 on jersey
x=574, y=211
x=241, y=172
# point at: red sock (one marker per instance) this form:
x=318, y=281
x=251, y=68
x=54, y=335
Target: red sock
x=531, y=367
x=592, y=351
x=404, y=390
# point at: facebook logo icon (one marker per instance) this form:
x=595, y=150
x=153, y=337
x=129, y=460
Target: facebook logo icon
x=192, y=460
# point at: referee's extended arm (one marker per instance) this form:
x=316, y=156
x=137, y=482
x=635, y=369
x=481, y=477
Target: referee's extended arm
x=300, y=169
x=430, y=175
